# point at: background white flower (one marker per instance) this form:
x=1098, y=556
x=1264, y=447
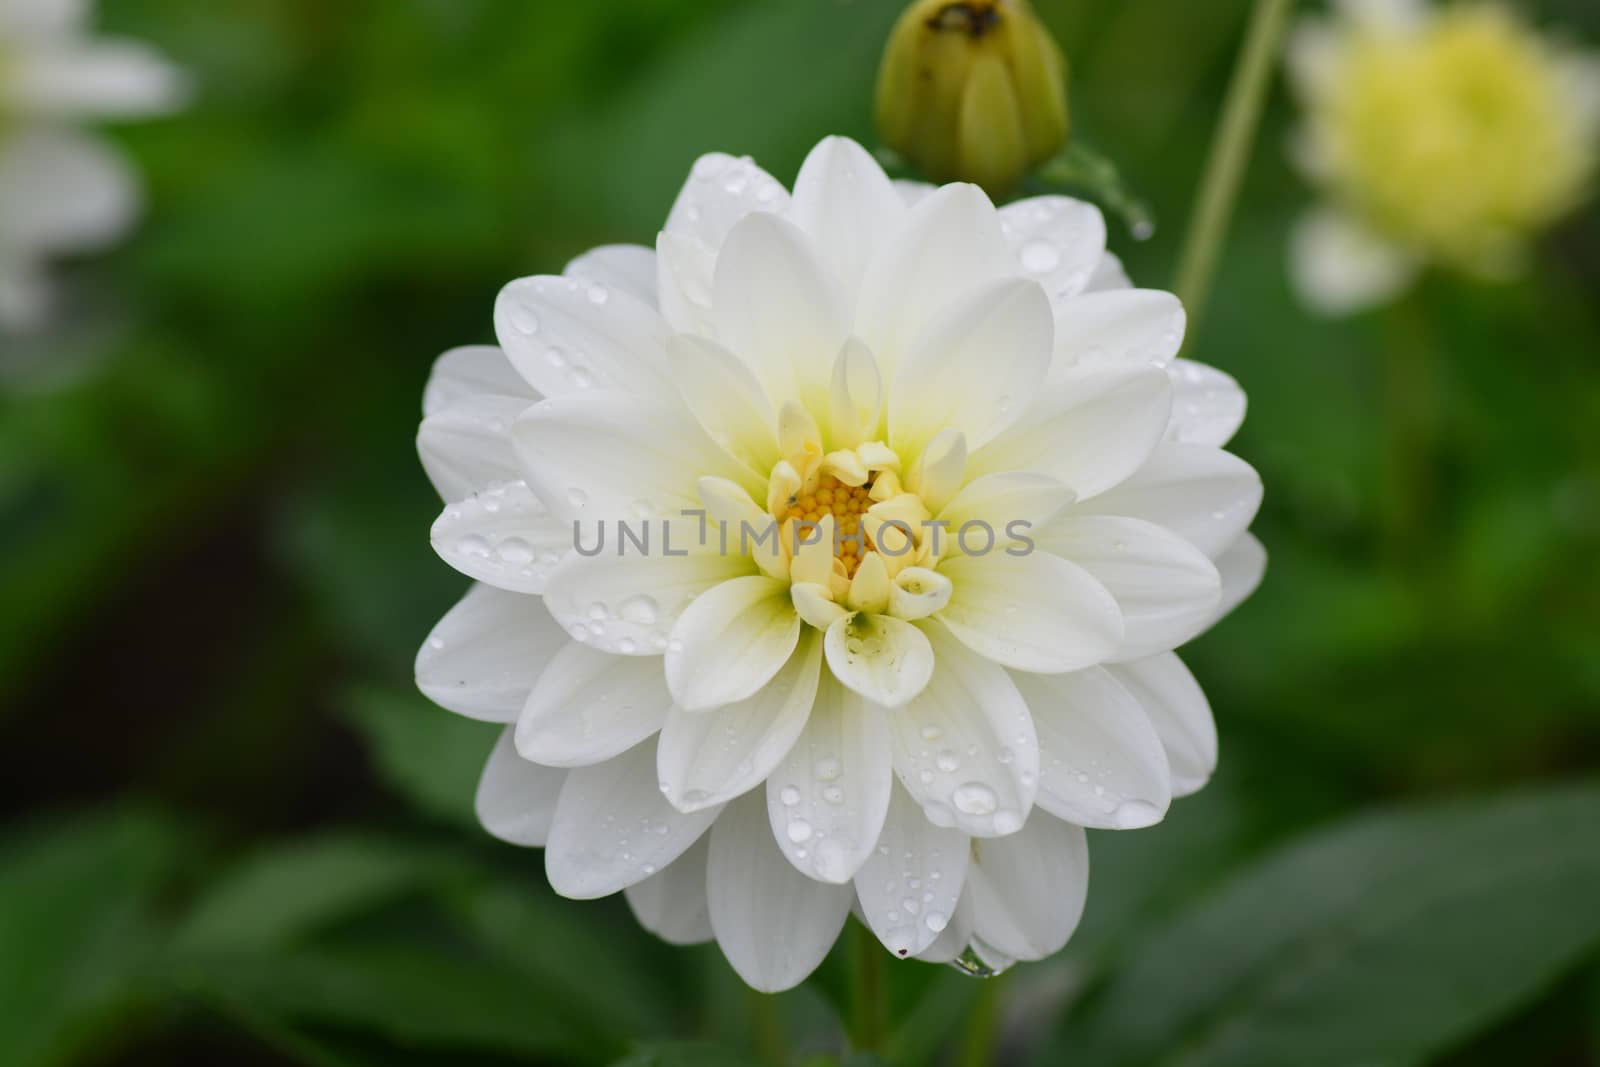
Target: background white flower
x=750, y=743
x=1438, y=134
x=62, y=191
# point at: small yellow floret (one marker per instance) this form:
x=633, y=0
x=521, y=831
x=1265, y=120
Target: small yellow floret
x=1459, y=140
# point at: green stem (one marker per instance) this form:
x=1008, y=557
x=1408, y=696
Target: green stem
x=871, y=1007
x=1411, y=406
x=1230, y=153
x=766, y=1029
x=978, y=1046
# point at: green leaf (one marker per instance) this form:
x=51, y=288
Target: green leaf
x=77, y=929
x=687, y=1054
x=289, y=892
x=426, y=754
x=412, y=994
x=1381, y=941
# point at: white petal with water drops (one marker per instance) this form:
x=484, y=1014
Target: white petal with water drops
x=828, y=798
x=965, y=749
x=1204, y=495
x=710, y=757
x=884, y=659
x=911, y=884
x=1034, y=612
x=613, y=828
x=1166, y=589
x=1058, y=241
x=482, y=658
x=516, y=799
x=1101, y=763
x=772, y=922
x=1028, y=890
x=504, y=536
x=730, y=642
x=1178, y=710
x=672, y=903
x=588, y=706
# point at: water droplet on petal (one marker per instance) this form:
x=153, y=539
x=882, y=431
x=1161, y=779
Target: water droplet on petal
x=799, y=831
x=1040, y=257
x=974, y=798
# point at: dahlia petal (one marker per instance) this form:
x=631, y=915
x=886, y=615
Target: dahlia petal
x=1135, y=327
x=773, y=923
x=1206, y=496
x=627, y=269
x=949, y=243
x=910, y=886
x=1090, y=429
x=65, y=81
x=567, y=336
x=710, y=757
x=482, y=658
x=1101, y=763
x=1340, y=267
x=1028, y=890
x=1108, y=274
x=965, y=749
x=1035, y=612
x=628, y=604
x=672, y=903
x=846, y=203
x=516, y=799
x=722, y=191
x=885, y=659
x=828, y=798
x=778, y=310
x=730, y=642
x=619, y=456
x=1242, y=567
x=855, y=395
x=63, y=191
x=1207, y=405
x=999, y=503
x=467, y=446
x=1058, y=241
x=957, y=934
x=683, y=283
x=940, y=471
x=589, y=706
x=1177, y=707
x=727, y=398
x=974, y=367
x=613, y=828
x=462, y=374
x=502, y=536
x=42, y=18
x=1166, y=589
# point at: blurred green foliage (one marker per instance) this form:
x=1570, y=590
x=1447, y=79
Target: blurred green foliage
x=235, y=834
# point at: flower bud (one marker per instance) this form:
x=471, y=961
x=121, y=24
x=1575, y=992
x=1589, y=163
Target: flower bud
x=973, y=90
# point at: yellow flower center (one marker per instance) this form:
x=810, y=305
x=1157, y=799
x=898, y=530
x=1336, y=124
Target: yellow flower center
x=848, y=505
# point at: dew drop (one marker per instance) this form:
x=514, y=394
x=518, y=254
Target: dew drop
x=639, y=609
x=974, y=798
x=936, y=921
x=799, y=831
x=515, y=551
x=948, y=761
x=523, y=320
x=1040, y=257
x=827, y=769
x=599, y=294
x=790, y=796
x=577, y=498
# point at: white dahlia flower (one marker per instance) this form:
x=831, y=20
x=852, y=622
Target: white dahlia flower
x=62, y=191
x=1447, y=135
x=832, y=554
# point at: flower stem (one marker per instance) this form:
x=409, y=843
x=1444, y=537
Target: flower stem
x=766, y=1027
x=1411, y=410
x=871, y=1007
x=978, y=1044
x=1230, y=153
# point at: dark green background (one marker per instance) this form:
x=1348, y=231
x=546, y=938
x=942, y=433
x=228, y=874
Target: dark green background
x=234, y=833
